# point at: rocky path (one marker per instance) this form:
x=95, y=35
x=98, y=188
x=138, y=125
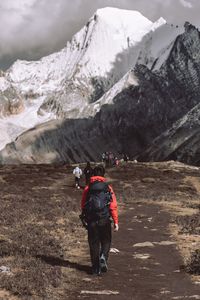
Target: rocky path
x=147, y=265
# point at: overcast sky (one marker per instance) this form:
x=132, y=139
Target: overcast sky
x=31, y=29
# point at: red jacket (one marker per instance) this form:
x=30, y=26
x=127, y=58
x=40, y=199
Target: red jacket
x=113, y=203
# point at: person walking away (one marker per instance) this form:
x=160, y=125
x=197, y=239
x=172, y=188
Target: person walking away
x=98, y=206
x=125, y=157
x=77, y=173
x=103, y=156
x=88, y=172
x=116, y=161
x=111, y=159
x=107, y=159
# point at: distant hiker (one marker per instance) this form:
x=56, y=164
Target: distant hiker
x=88, y=172
x=125, y=157
x=116, y=161
x=98, y=206
x=111, y=159
x=103, y=157
x=107, y=159
x=77, y=173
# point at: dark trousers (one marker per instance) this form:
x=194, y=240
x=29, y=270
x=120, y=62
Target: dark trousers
x=87, y=179
x=77, y=181
x=99, y=239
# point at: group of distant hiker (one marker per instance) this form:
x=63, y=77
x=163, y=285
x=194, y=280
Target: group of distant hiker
x=109, y=159
x=98, y=208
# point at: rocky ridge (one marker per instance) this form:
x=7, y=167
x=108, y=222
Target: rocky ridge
x=181, y=142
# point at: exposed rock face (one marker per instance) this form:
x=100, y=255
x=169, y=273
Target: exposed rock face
x=139, y=113
x=11, y=102
x=180, y=142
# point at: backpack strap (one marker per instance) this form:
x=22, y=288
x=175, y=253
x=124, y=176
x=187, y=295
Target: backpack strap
x=98, y=186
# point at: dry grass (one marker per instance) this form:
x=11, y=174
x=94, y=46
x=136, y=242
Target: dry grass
x=41, y=237
x=40, y=227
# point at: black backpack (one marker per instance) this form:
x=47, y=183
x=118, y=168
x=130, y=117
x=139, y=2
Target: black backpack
x=97, y=206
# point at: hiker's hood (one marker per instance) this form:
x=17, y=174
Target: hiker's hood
x=97, y=178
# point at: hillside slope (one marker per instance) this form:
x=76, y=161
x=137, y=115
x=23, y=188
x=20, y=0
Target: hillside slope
x=44, y=248
x=181, y=142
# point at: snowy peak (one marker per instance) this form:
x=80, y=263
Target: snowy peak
x=160, y=22
x=113, y=31
x=91, y=52
x=115, y=17
x=97, y=57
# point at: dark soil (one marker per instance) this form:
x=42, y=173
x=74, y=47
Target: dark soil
x=193, y=266
x=45, y=247
x=189, y=224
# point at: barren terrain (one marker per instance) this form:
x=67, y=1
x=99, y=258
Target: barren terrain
x=43, y=248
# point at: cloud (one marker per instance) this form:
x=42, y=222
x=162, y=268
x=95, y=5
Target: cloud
x=31, y=29
x=186, y=3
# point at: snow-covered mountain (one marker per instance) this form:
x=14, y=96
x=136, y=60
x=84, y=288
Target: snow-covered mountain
x=91, y=52
x=137, y=109
x=115, y=87
x=64, y=84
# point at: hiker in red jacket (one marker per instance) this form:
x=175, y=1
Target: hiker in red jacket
x=98, y=206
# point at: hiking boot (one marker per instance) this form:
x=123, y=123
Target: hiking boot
x=96, y=271
x=103, y=264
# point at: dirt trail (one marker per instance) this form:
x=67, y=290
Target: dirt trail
x=56, y=264
x=143, y=272
x=148, y=264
